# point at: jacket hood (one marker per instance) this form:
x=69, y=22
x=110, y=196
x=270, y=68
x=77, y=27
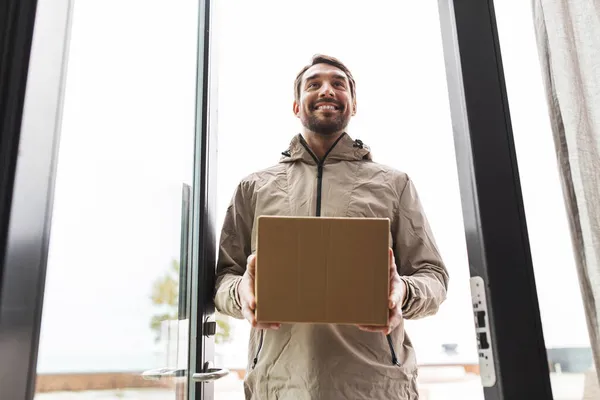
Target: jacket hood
x=344, y=149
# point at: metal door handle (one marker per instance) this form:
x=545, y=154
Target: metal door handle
x=184, y=257
x=162, y=373
x=210, y=373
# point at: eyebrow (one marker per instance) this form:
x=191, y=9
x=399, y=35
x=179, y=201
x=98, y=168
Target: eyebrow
x=336, y=75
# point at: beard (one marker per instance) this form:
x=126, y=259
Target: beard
x=325, y=126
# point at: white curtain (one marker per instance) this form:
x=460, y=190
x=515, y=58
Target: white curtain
x=568, y=37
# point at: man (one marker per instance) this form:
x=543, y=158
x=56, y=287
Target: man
x=326, y=173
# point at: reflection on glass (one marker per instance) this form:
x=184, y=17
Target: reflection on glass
x=561, y=307
x=404, y=117
x=112, y=302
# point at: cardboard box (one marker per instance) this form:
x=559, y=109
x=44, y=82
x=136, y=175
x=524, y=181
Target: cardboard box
x=322, y=270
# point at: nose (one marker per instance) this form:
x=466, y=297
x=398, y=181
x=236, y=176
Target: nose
x=326, y=90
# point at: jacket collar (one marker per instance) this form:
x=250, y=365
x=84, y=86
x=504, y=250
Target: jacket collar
x=344, y=149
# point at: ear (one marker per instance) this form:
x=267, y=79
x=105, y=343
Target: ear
x=354, y=108
x=296, y=109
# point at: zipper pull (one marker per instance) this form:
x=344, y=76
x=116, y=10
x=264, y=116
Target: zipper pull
x=320, y=171
x=392, y=351
x=260, y=344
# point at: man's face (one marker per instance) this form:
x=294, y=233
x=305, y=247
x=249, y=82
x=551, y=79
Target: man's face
x=326, y=105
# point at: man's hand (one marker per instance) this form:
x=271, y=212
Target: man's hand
x=246, y=293
x=397, y=295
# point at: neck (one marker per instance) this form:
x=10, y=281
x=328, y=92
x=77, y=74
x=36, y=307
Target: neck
x=320, y=144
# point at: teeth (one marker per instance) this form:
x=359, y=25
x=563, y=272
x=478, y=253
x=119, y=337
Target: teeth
x=326, y=108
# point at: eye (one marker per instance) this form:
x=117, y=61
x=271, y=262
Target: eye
x=311, y=85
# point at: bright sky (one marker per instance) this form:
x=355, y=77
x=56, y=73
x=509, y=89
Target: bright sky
x=127, y=143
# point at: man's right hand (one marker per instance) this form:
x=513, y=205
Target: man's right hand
x=246, y=293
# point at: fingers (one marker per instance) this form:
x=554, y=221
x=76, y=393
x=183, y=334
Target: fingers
x=247, y=284
x=246, y=292
x=396, y=284
x=248, y=315
x=248, y=299
x=396, y=293
x=251, y=318
x=379, y=329
x=267, y=326
x=373, y=328
x=251, y=264
x=395, y=320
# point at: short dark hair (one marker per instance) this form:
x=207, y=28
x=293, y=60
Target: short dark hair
x=323, y=59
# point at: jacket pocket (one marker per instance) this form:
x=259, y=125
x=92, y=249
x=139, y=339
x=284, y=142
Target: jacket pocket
x=260, y=344
x=392, y=351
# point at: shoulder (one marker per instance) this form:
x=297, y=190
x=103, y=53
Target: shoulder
x=257, y=179
x=394, y=176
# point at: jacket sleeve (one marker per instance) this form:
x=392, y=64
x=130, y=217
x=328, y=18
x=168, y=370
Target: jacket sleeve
x=417, y=257
x=234, y=249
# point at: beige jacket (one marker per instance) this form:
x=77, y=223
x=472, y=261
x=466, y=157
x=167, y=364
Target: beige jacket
x=330, y=362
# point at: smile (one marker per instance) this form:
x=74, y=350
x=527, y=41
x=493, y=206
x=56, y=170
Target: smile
x=327, y=107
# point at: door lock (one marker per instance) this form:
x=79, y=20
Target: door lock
x=210, y=328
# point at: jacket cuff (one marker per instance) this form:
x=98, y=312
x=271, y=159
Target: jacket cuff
x=234, y=294
x=409, y=296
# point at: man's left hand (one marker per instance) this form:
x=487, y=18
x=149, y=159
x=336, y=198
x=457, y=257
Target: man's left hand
x=397, y=295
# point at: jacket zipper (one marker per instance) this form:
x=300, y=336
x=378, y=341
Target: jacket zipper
x=319, y=188
x=260, y=344
x=320, y=167
x=392, y=351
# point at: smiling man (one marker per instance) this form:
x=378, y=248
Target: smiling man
x=324, y=172
x=325, y=99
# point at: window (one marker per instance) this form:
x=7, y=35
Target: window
x=561, y=306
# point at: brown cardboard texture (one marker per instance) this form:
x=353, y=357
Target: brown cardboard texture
x=322, y=270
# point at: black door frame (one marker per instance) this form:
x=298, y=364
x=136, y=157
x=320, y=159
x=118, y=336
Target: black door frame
x=16, y=33
x=493, y=213
x=203, y=326
x=495, y=225
x=32, y=66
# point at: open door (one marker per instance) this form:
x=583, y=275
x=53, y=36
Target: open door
x=91, y=222
x=103, y=200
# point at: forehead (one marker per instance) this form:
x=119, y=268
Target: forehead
x=324, y=71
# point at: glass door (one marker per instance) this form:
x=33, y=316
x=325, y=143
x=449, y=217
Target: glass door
x=568, y=344
x=118, y=289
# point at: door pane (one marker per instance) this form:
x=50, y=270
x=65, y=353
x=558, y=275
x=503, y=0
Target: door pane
x=561, y=306
x=394, y=51
x=113, y=306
